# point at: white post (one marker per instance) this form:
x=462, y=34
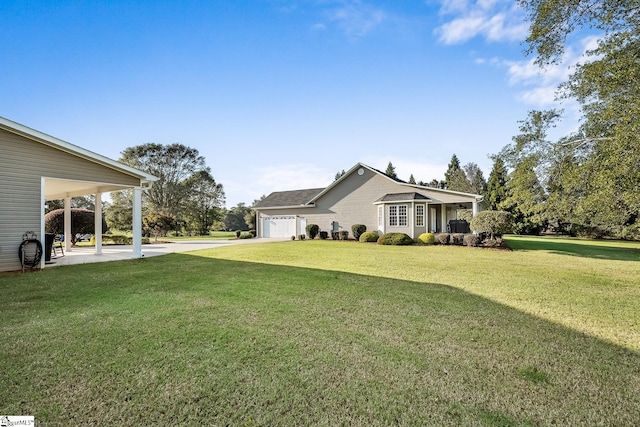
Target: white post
x=474, y=206
x=98, y=223
x=137, y=222
x=443, y=218
x=67, y=223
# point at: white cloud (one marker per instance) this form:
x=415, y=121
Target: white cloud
x=422, y=170
x=246, y=187
x=353, y=17
x=496, y=20
x=539, y=85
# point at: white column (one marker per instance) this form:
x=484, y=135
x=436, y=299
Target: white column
x=98, y=223
x=137, y=222
x=443, y=218
x=67, y=223
x=474, y=206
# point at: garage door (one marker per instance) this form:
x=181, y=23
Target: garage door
x=279, y=226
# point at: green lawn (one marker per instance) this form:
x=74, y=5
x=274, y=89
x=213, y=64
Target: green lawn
x=330, y=333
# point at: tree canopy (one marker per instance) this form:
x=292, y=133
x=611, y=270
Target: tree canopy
x=590, y=178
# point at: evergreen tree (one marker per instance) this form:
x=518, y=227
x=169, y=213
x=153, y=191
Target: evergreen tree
x=412, y=180
x=339, y=175
x=497, y=185
x=454, y=166
x=391, y=171
x=475, y=177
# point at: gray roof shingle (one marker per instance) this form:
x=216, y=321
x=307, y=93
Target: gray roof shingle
x=289, y=198
x=401, y=197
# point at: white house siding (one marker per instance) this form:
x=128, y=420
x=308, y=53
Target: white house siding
x=23, y=163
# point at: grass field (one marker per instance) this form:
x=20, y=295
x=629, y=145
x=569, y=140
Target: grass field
x=330, y=333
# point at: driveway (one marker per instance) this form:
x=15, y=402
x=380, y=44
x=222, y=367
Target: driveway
x=83, y=255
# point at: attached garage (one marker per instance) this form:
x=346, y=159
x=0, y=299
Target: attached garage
x=279, y=226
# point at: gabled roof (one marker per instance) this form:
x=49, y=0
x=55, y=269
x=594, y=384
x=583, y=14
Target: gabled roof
x=307, y=198
x=295, y=198
x=43, y=138
x=401, y=197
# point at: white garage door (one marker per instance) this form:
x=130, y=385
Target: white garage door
x=279, y=226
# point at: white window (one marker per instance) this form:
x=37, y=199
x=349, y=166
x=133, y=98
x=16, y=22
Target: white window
x=380, y=216
x=393, y=216
x=419, y=215
x=402, y=216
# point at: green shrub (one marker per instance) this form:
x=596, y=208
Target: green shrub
x=344, y=235
x=368, y=237
x=357, y=230
x=335, y=235
x=493, y=223
x=395, y=239
x=312, y=230
x=427, y=238
x=464, y=214
x=324, y=235
x=246, y=235
x=471, y=240
x=443, y=238
x=301, y=237
x=457, y=239
x=82, y=222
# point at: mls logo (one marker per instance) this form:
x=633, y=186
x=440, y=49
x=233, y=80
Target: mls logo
x=4, y=421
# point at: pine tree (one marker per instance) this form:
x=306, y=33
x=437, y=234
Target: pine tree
x=412, y=180
x=497, y=186
x=391, y=171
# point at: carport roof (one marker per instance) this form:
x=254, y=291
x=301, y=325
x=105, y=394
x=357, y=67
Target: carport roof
x=58, y=188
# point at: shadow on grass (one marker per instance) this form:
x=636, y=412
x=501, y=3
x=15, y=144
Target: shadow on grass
x=194, y=340
x=599, y=249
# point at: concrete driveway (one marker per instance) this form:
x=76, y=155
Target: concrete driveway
x=83, y=255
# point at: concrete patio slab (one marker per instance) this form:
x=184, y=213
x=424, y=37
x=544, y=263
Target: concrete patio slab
x=84, y=255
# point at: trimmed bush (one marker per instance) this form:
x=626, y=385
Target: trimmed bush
x=301, y=237
x=368, y=237
x=335, y=235
x=324, y=235
x=464, y=214
x=238, y=233
x=82, y=222
x=312, y=230
x=427, y=238
x=246, y=235
x=344, y=235
x=493, y=223
x=357, y=230
x=395, y=239
x=442, y=238
x=471, y=240
x=293, y=237
x=457, y=239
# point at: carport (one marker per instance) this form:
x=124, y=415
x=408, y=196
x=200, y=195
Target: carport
x=36, y=167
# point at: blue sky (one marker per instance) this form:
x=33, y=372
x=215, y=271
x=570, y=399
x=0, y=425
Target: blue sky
x=277, y=94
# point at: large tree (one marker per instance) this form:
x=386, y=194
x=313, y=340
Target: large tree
x=592, y=176
x=172, y=164
x=203, y=203
x=185, y=188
